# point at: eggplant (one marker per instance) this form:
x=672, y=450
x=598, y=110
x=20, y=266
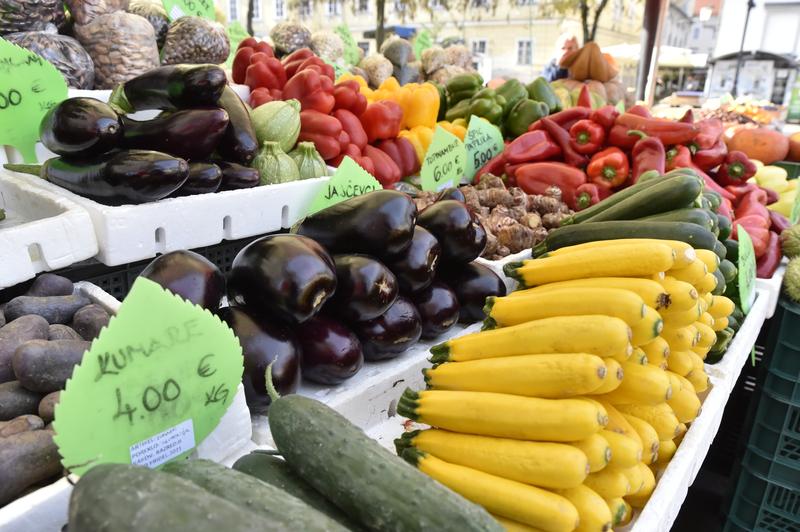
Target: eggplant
x=365, y=288
x=83, y=127
x=415, y=268
x=458, y=230
x=331, y=352
x=451, y=193
x=189, y=134
x=203, y=178
x=263, y=342
x=239, y=142
x=189, y=275
x=289, y=277
x=380, y=223
x=170, y=88
x=236, y=176
x=472, y=284
x=387, y=336
x=438, y=307
x=114, y=178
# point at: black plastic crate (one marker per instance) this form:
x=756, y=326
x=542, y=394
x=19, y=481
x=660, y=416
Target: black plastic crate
x=764, y=505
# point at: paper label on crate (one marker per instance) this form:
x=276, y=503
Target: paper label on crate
x=795, y=214
x=182, y=8
x=444, y=163
x=152, y=386
x=236, y=34
x=351, y=53
x=29, y=87
x=747, y=270
x=349, y=181
x=482, y=142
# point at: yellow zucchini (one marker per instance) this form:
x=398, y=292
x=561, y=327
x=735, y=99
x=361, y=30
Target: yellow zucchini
x=513, y=526
x=706, y=335
x=660, y=417
x=609, y=483
x=634, y=476
x=597, y=451
x=682, y=295
x=622, y=304
x=550, y=376
x=603, y=336
x=543, y=464
x=640, y=498
x=681, y=318
x=709, y=258
x=646, y=328
x=643, y=384
x=705, y=301
x=595, y=516
x=651, y=292
x=684, y=382
x=684, y=253
x=657, y=351
x=702, y=352
x=707, y=283
x=721, y=306
x=685, y=404
x=625, y=451
x=637, y=357
x=680, y=362
x=720, y=324
x=692, y=274
x=707, y=319
x=619, y=510
x=648, y=436
x=504, y=415
x=513, y=500
x=699, y=380
x=632, y=260
x=617, y=422
x=614, y=375
x=697, y=361
x=680, y=338
x=666, y=450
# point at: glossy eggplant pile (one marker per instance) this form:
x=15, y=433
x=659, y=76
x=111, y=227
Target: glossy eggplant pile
x=201, y=142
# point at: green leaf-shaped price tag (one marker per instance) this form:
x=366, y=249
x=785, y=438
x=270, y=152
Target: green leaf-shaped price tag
x=482, y=142
x=182, y=8
x=29, y=86
x=747, y=270
x=236, y=34
x=795, y=214
x=349, y=181
x=351, y=54
x=422, y=42
x=153, y=385
x=445, y=161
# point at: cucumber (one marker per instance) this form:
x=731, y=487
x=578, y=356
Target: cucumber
x=697, y=216
x=720, y=250
x=362, y=478
x=276, y=471
x=280, y=509
x=664, y=195
x=571, y=235
x=714, y=198
x=733, y=323
x=732, y=247
x=724, y=226
x=729, y=270
x=721, y=283
x=738, y=313
x=125, y=498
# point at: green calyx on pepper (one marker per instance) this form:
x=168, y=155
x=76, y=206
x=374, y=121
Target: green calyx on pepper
x=523, y=114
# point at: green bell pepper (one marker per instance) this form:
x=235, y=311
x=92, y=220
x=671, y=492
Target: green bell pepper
x=487, y=104
x=463, y=86
x=442, y=101
x=541, y=91
x=513, y=91
x=523, y=114
x=459, y=110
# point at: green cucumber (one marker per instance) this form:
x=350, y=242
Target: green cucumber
x=729, y=270
x=697, y=216
x=663, y=196
x=733, y=323
x=724, y=226
x=721, y=283
x=732, y=246
x=280, y=509
x=362, y=478
x=738, y=313
x=720, y=250
x=572, y=235
x=126, y=498
x=714, y=198
x=275, y=471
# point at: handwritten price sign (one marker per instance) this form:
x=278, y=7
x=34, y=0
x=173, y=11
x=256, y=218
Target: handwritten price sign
x=182, y=8
x=747, y=270
x=153, y=385
x=445, y=162
x=483, y=141
x=349, y=181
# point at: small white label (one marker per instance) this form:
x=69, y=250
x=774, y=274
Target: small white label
x=164, y=446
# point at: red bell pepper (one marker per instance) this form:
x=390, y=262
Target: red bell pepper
x=608, y=168
x=586, y=195
x=315, y=63
x=641, y=110
x=531, y=147
x=263, y=95
x=264, y=71
x=688, y=117
x=711, y=184
x=313, y=90
x=258, y=46
x=769, y=261
x=240, y=63
x=648, y=154
x=757, y=228
x=738, y=191
x=531, y=176
x=354, y=153
x=726, y=209
x=737, y=168
x=605, y=116
x=382, y=120
x=293, y=61
x=401, y=152
x=711, y=157
x=565, y=118
x=323, y=130
x=709, y=133
x=386, y=170
x=344, y=139
x=678, y=157
x=584, y=98
x=587, y=137
x=772, y=196
x=494, y=166
x=668, y=131
x=562, y=138
x=778, y=222
x=348, y=96
x=753, y=203
x=352, y=125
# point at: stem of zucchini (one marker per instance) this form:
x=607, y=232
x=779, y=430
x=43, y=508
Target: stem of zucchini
x=405, y=441
x=271, y=391
x=412, y=456
x=440, y=353
x=32, y=169
x=539, y=249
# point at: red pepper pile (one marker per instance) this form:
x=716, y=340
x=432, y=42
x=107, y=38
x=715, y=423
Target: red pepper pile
x=334, y=116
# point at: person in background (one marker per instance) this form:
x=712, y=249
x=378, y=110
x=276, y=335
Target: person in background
x=565, y=44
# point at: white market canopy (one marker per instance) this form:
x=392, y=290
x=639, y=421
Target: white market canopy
x=669, y=56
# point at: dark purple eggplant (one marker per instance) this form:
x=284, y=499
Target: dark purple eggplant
x=289, y=277
x=459, y=232
x=203, y=178
x=114, y=178
x=190, y=133
x=365, y=288
x=438, y=307
x=264, y=341
x=472, y=284
x=416, y=266
x=451, y=193
x=80, y=127
x=387, y=336
x=239, y=142
x=379, y=223
x=189, y=275
x=236, y=176
x=331, y=352
x=170, y=88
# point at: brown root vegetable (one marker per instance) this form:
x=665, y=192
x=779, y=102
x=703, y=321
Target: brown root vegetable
x=47, y=406
x=50, y=284
x=19, y=424
x=62, y=332
x=45, y=365
x=14, y=334
x=55, y=309
x=26, y=459
x=89, y=321
x=16, y=401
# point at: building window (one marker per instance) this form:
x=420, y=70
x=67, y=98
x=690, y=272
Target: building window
x=256, y=9
x=479, y=46
x=363, y=6
x=334, y=7
x=476, y=4
x=280, y=9
x=305, y=8
x=399, y=6
x=233, y=12
x=526, y=2
x=524, y=52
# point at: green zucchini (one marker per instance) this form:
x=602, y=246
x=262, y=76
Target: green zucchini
x=732, y=246
x=697, y=216
x=733, y=323
x=280, y=509
x=663, y=196
x=571, y=235
x=362, y=478
x=714, y=198
x=720, y=250
x=738, y=313
x=126, y=498
x=724, y=226
x=728, y=270
x=275, y=471
x=721, y=284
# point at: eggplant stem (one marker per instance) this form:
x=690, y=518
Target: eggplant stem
x=271, y=391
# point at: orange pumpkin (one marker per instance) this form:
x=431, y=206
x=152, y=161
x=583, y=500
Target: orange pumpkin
x=794, y=147
x=588, y=63
x=766, y=145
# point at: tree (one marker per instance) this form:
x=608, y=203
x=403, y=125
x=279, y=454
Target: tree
x=249, y=16
x=589, y=11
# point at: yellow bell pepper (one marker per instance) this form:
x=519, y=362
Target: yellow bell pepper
x=362, y=83
x=420, y=137
x=784, y=207
x=420, y=105
x=451, y=127
x=461, y=122
x=771, y=173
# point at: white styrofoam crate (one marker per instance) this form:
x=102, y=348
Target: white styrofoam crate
x=42, y=231
x=771, y=288
x=497, y=266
